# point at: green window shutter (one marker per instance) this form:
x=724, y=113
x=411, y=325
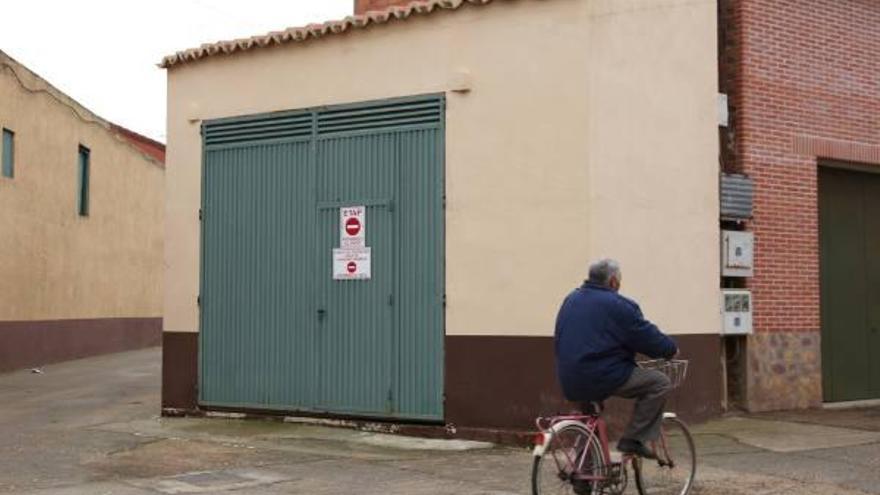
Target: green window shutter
x=83, y=191
x=8, y=153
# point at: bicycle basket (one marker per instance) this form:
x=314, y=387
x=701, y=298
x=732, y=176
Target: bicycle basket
x=675, y=369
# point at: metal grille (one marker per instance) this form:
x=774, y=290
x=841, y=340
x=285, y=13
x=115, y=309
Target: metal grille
x=403, y=114
x=304, y=124
x=254, y=129
x=737, y=192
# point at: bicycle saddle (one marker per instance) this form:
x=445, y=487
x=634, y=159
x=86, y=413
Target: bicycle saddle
x=592, y=408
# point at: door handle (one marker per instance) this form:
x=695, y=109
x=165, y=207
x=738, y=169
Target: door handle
x=322, y=313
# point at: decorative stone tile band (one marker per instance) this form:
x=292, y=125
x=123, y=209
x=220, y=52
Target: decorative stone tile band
x=785, y=371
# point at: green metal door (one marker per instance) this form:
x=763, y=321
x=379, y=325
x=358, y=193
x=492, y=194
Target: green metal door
x=277, y=331
x=419, y=301
x=849, y=232
x=356, y=330
x=872, y=272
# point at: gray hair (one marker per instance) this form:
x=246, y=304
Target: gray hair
x=602, y=271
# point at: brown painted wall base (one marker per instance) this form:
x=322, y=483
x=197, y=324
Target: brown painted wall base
x=180, y=372
x=505, y=382
x=495, y=386
x=25, y=344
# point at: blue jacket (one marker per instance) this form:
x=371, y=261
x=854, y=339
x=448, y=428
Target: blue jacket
x=598, y=333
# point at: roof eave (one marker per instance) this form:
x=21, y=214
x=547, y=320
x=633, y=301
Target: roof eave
x=315, y=31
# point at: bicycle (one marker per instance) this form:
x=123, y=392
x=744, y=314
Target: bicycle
x=571, y=453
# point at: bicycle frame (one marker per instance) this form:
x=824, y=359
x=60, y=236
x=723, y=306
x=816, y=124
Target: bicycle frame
x=577, y=459
x=597, y=430
x=660, y=446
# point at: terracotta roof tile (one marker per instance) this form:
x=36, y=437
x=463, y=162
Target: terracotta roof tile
x=149, y=146
x=298, y=34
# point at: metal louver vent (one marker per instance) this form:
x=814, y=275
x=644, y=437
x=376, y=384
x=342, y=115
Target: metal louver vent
x=736, y=197
x=416, y=112
x=268, y=127
x=398, y=114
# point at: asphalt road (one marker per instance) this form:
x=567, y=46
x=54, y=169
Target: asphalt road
x=92, y=427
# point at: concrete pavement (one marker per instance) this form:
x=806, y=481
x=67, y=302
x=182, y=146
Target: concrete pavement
x=92, y=427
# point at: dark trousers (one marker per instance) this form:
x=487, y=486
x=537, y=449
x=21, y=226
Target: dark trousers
x=649, y=388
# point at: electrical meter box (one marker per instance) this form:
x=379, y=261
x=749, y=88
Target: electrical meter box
x=736, y=306
x=737, y=253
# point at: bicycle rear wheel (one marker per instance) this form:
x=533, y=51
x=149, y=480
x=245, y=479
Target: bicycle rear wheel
x=674, y=471
x=572, y=464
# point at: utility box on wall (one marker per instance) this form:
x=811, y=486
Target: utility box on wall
x=736, y=306
x=737, y=253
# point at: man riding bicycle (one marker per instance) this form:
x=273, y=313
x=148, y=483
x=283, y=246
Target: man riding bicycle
x=598, y=333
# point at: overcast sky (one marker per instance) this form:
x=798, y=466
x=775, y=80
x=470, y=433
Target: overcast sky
x=104, y=53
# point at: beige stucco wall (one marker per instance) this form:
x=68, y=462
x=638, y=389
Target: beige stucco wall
x=654, y=155
x=589, y=130
x=55, y=264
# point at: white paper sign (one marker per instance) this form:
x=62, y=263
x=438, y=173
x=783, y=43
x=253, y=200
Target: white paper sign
x=352, y=227
x=352, y=264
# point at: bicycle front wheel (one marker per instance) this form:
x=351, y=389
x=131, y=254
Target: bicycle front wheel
x=673, y=472
x=572, y=464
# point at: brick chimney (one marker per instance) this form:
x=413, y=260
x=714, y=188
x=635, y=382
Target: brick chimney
x=361, y=6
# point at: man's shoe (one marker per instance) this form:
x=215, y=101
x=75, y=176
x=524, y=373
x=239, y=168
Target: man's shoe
x=582, y=487
x=635, y=447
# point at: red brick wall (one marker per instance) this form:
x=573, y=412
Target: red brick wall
x=361, y=6
x=806, y=86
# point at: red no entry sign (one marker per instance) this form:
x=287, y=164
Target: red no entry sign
x=352, y=263
x=352, y=226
